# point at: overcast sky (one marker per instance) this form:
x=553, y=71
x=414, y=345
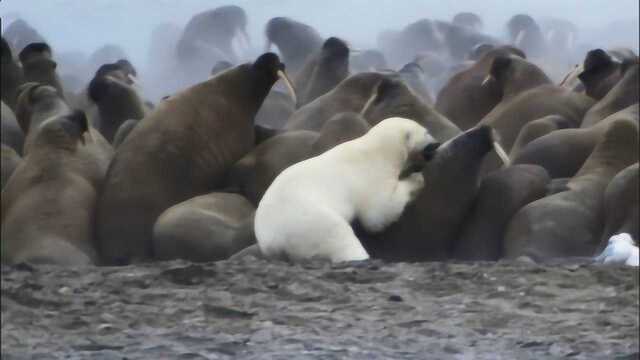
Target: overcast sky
x=88, y=24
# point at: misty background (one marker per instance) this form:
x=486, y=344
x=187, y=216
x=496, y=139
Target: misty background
x=86, y=25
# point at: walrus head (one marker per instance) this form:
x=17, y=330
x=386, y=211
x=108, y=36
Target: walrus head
x=600, y=73
x=268, y=69
x=104, y=79
x=64, y=131
x=29, y=96
x=37, y=57
x=335, y=48
x=34, y=50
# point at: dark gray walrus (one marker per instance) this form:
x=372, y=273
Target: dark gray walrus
x=429, y=227
x=501, y=195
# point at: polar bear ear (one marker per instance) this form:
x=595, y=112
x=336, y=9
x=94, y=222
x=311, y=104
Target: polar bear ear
x=407, y=137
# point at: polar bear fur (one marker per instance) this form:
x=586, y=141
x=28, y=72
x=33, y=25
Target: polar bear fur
x=307, y=210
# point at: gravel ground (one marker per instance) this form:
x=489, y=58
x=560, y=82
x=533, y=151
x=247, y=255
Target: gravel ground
x=255, y=309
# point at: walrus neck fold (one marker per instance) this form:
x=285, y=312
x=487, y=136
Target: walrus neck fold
x=617, y=150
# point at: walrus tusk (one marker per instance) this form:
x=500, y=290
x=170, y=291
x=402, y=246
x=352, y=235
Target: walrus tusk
x=486, y=80
x=133, y=79
x=287, y=82
x=519, y=38
x=499, y=149
x=367, y=105
x=550, y=35
x=246, y=38
x=90, y=136
x=501, y=153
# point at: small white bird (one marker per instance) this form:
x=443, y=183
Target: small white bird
x=621, y=250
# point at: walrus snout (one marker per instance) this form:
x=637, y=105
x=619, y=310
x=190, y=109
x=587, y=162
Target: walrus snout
x=429, y=151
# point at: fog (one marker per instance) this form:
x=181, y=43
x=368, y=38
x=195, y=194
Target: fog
x=72, y=25
x=86, y=25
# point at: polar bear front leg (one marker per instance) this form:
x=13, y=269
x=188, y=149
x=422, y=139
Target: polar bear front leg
x=388, y=210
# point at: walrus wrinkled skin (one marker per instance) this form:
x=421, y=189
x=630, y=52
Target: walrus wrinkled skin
x=184, y=148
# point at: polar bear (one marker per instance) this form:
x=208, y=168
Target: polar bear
x=307, y=210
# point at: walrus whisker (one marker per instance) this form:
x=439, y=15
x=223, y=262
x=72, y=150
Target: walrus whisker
x=289, y=85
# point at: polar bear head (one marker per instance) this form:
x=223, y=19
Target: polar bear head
x=406, y=136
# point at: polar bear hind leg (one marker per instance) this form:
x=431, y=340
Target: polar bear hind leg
x=319, y=233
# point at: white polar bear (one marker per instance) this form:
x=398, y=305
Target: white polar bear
x=307, y=210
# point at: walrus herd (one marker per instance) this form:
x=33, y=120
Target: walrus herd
x=529, y=156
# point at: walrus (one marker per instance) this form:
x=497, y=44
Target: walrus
x=12, y=75
x=219, y=67
x=19, y=34
x=276, y=110
x=351, y=95
x=323, y=70
x=571, y=79
x=599, y=73
x=10, y=161
x=468, y=19
x=208, y=37
x=37, y=103
x=123, y=131
x=536, y=129
x=624, y=93
x=393, y=98
x=184, y=148
x=508, y=117
x=472, y=93
x=500, y=196
x=570, y=223
x=38, y=66
x=413, y=75
x=513, y=75
x=11, y=134
x=117, y=100
x=209, y=227
x=621, y=205
x=563, y=152
x=429, y=226
x=368, y=60
x=295, y=41
x=525, y=33
x=253, y=174
x=48, y=205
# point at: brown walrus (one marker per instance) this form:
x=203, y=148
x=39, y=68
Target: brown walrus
x=184, y=148
x=571, y=222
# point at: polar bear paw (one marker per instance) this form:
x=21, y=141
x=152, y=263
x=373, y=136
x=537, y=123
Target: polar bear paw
x=415, y=184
